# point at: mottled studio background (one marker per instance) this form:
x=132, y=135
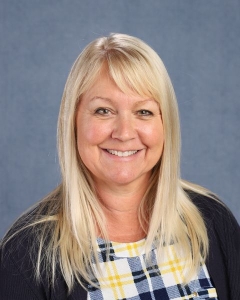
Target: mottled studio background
x=199, y=43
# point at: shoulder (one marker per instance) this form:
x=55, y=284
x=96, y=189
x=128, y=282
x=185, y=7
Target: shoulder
x=222, y=227
x=224, y=243
x=23, y=235
x=17, y=268
x=19, y=251
x=213, y=209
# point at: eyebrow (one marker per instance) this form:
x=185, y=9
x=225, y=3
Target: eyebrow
x=137, y=103
x=101, y=98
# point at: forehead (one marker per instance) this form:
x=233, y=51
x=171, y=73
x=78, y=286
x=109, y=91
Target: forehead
x=104, y=88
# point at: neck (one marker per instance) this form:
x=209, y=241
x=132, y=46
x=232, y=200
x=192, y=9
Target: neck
x=121, y=206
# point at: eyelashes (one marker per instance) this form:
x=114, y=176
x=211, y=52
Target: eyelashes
x=144, y=112
x=103, y=111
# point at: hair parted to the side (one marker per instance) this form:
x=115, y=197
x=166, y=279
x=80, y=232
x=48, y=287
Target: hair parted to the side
x=73, y=206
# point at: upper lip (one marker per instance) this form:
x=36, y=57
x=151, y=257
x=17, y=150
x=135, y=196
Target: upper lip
x=125, y=150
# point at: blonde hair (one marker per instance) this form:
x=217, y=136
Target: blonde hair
x=70, y=214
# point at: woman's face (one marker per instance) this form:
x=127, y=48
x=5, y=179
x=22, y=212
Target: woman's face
x=119, y=137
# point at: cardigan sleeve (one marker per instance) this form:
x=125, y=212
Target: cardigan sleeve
x=228, y=233
x=17, y=273
x=224, y=245
x=17, y=280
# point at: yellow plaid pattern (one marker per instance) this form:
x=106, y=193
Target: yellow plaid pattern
x=126, y=276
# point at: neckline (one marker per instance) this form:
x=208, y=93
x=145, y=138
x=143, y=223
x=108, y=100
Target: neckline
x=122, y=250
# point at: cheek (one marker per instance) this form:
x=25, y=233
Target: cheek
x=153, y=135
x=91, y=133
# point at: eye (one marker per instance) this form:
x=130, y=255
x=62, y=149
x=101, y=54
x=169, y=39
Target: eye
x=102, y=111
x=144, y=112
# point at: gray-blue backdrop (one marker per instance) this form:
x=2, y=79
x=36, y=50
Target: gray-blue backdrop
x=199, y=43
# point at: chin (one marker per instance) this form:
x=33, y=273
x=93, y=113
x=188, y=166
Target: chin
x=124, y=179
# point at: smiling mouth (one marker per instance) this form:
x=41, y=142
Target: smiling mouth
x=122, y=153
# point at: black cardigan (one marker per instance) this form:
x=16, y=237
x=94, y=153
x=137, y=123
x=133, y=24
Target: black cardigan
x=17, y=280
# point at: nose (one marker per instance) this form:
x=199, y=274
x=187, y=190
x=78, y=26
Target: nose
x=124, y=128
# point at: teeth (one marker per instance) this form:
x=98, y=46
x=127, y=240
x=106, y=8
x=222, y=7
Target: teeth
x=120, y=153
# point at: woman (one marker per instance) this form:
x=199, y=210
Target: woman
x=122, y=225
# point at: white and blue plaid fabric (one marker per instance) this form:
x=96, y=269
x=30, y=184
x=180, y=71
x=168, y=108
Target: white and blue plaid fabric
x=126, y=276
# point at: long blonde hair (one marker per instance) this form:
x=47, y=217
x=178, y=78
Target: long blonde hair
x=69, y=215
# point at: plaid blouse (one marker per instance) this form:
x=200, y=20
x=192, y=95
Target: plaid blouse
x=126, y=276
